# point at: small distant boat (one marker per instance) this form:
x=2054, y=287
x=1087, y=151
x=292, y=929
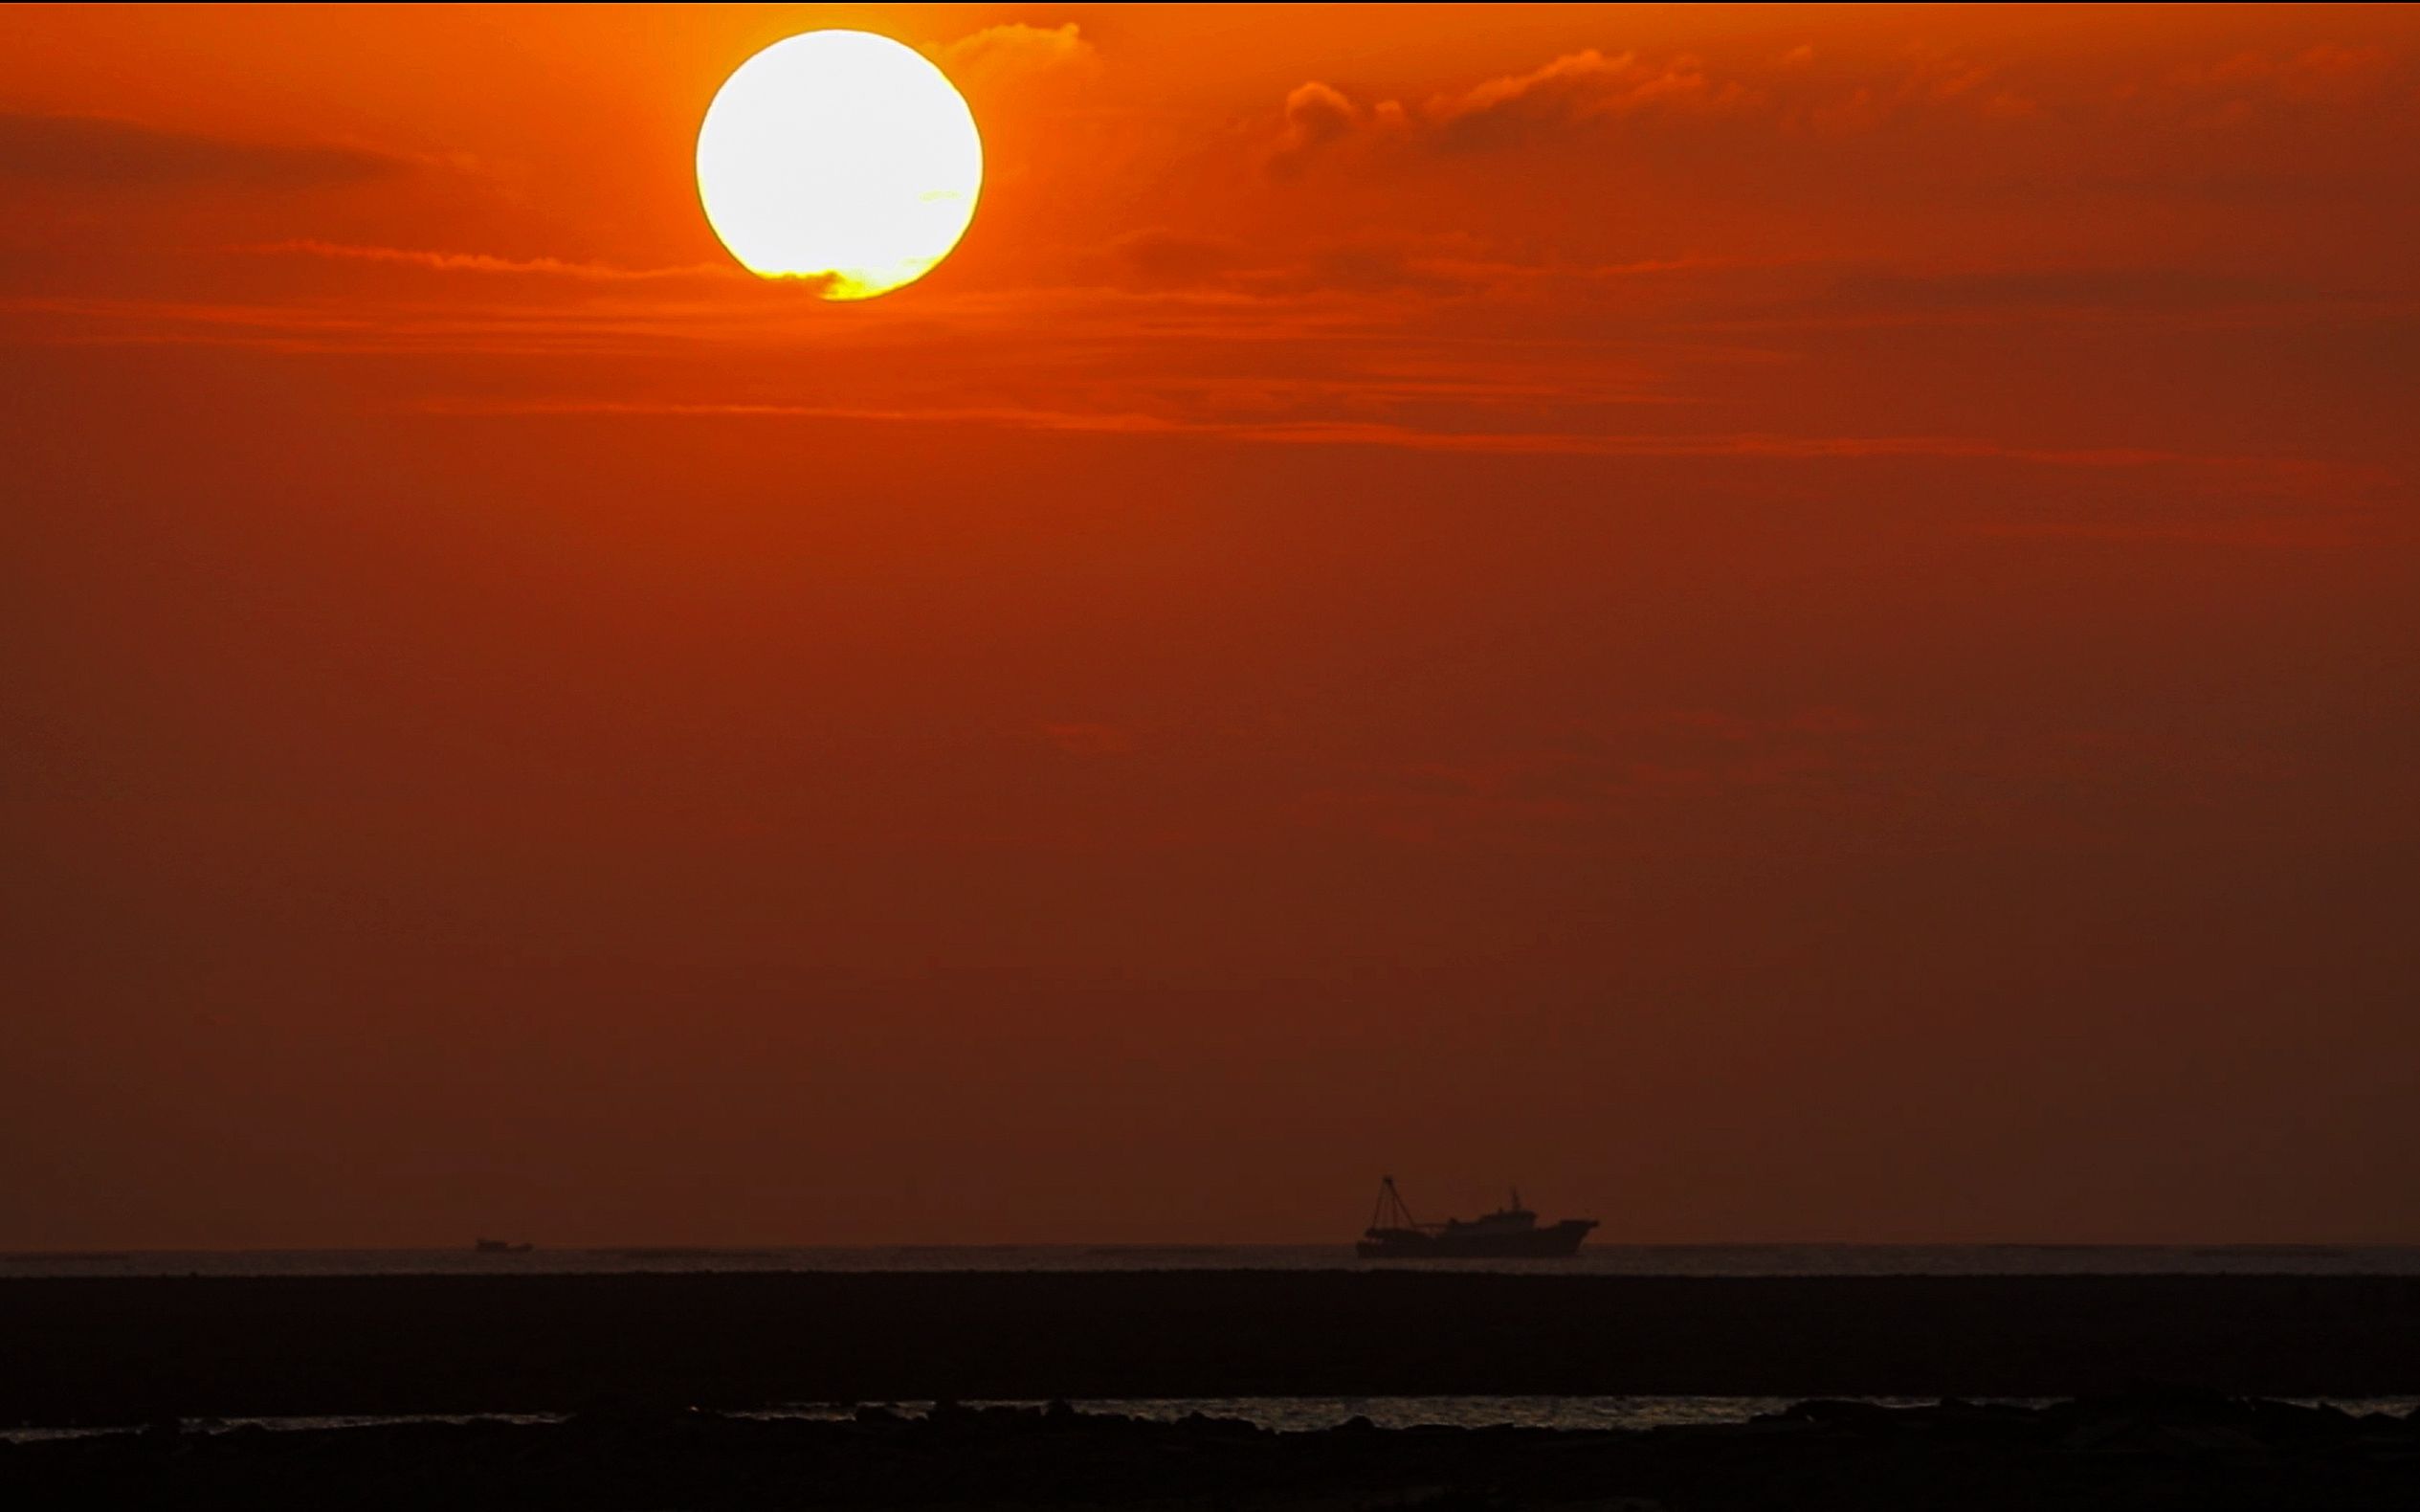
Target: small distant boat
x=501, y=1247
x=1508, y=1233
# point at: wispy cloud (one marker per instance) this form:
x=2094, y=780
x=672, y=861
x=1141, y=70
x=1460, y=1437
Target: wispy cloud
x=1014, y=51
x=1811, y=97
x=101, y=152
x=2334, y=532
x=1089, y=738
x=484, y=263
x=1346, y=433
x=1570, y=91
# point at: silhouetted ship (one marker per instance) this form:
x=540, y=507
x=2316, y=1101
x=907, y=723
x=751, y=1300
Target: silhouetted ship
x=1508, y=1233
x=501, y=1247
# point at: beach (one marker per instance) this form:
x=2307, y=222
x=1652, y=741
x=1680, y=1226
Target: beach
x=2162, y=1450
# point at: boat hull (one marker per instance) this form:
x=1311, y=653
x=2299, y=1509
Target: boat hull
x=1533, y=1244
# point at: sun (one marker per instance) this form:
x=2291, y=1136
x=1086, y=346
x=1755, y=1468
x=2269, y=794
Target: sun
x=841, y=158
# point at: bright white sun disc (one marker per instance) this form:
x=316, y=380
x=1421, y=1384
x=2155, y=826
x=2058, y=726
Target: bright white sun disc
x=839, y=157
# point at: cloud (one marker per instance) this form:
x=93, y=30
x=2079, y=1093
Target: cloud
x=1568, y=94
x=1316, y=116
x=1501, y=443
x=1594, y=773
x=2329, y=533
x=1927, y=84
x=1015, y=51
x=483, y=262
x=1160, y=259
x=1087, y=739
x=2327, y=73
x=103, y=152
x=1374, y=266
x=1922, y=88
x=2028, y=291
x=1571, y=92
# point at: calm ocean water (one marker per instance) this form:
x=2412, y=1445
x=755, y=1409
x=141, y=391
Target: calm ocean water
x=1281, y=1413
x=1607, y=1260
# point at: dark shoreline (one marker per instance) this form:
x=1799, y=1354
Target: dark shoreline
x=2170, y=1450
x=127, y=1350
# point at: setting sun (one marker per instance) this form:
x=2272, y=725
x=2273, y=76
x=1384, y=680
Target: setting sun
x=842, y=158
x=765, y=755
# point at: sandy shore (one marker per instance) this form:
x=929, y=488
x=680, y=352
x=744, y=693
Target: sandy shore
x=2168, y=1450
x=120, y=1350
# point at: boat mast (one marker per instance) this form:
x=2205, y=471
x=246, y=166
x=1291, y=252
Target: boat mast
x=1391, y=1210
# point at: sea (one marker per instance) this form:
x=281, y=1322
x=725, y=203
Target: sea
x=1283, y=1415
x=1597, y=1259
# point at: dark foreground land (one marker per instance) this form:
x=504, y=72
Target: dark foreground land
x=134, y=1351
x=2170, y=1451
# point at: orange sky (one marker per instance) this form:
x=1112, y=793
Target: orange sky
x=1777, y=623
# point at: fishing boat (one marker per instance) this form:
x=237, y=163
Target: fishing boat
x=502, y=1247
x=1510, y=1232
